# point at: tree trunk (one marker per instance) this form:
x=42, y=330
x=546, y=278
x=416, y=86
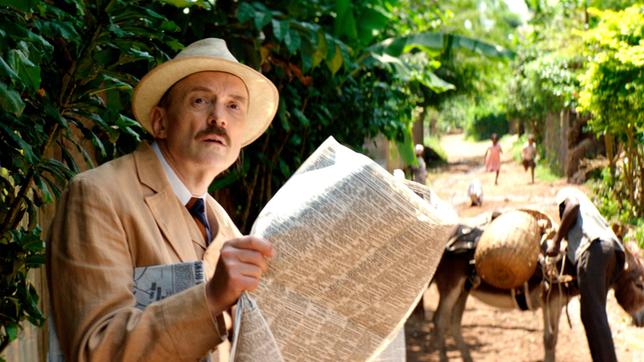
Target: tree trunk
x=629, y=165
x=609, y=143
x=640, y=162
x=417, y=128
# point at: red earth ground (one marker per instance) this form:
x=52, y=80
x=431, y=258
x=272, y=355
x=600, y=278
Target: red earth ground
x=509, y=335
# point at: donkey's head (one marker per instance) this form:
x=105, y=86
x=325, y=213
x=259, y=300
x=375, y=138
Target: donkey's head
x=629, y=287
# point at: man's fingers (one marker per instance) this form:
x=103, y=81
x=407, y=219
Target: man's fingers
x=252, y=257
x=247, y=283
x=258, y=244
x=232, y=257
x=249, y=271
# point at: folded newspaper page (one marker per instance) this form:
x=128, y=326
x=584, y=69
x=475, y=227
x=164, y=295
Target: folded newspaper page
x=151, y=284
x=356, y=249
x=156, y=282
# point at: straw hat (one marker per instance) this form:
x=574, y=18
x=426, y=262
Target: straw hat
x=209, y=54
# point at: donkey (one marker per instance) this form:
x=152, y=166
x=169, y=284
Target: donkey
x=456, y=279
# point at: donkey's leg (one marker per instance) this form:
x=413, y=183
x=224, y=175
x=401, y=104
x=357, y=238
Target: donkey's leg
x=552, y=305
x=419, y=309
x=449, y=292
x=456, y=319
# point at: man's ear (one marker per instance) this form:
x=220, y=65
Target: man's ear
x=158, y=122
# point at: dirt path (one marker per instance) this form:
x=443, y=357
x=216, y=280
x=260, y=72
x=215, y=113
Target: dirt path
x=510, y=335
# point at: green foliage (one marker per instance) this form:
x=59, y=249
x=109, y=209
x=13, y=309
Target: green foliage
x=568, y=60
x=485, y=123
x=611, y=198
x=613, y=83
x=478, y=81
x=544, y=78
x=612, y=89
x=544, y=172
x=637, y=234
x=334, y=80
x=65, y=82
x=21, y=250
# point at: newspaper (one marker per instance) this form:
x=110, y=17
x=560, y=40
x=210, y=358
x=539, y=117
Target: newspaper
x=444, y=209
x=356, y=249
x=151, y=284
x=156, y=282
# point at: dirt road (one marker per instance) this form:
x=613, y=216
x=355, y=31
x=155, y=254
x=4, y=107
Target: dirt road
x=510, y=335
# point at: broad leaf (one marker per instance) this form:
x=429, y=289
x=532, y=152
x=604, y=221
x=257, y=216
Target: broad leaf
x=345, y=23
x=10, y=100
x=280, y=29
x=28, y=72
x=6, y=70
x=22, y=5
x=304, y=121
x=335, y=61
x=245, y=12
x=292, y=40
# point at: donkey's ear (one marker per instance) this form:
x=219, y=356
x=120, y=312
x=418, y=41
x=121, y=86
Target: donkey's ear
x=619, y=229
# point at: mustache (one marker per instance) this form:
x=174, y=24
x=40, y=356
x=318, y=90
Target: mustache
x=214, y=131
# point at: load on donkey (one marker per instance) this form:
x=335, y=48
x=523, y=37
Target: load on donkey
x=502, y=262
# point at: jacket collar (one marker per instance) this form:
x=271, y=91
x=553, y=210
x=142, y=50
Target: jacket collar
x=165, y=207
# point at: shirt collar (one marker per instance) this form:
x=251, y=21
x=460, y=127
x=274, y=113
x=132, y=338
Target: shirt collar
x=183, y=194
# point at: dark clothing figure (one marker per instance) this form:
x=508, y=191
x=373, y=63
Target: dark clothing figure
x=599, y=258
x=419, y=172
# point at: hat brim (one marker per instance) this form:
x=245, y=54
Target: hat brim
x=263, y=96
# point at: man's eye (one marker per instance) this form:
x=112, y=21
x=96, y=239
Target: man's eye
x=199, y=101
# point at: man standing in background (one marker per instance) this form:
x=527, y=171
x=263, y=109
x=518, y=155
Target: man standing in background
x=420, y=171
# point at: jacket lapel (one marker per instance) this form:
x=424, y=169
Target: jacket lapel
x=166, y=209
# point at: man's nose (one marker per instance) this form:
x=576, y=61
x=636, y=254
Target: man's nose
x=217, y=116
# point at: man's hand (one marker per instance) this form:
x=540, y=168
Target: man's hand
x=241, y=264
x=553, y=248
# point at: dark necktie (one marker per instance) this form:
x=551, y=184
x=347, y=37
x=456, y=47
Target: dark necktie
x=197, y=210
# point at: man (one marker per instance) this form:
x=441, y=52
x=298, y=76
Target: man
x=201, y=107
x=598, y=256
x=420, y=171
x=529, y=155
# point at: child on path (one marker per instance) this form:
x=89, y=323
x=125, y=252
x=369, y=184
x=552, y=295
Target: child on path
x=529, y=155
x=492, y=157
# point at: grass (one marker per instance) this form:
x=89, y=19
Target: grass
x=543, y=173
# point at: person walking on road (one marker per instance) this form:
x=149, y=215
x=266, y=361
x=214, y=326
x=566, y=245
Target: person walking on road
x=492, y=157
x=529, y=155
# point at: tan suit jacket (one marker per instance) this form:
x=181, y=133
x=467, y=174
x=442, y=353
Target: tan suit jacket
x=121, y=215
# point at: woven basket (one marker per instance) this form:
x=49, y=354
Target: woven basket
x=507, y=253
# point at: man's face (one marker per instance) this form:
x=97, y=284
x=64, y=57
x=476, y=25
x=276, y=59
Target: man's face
x=203, y=122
